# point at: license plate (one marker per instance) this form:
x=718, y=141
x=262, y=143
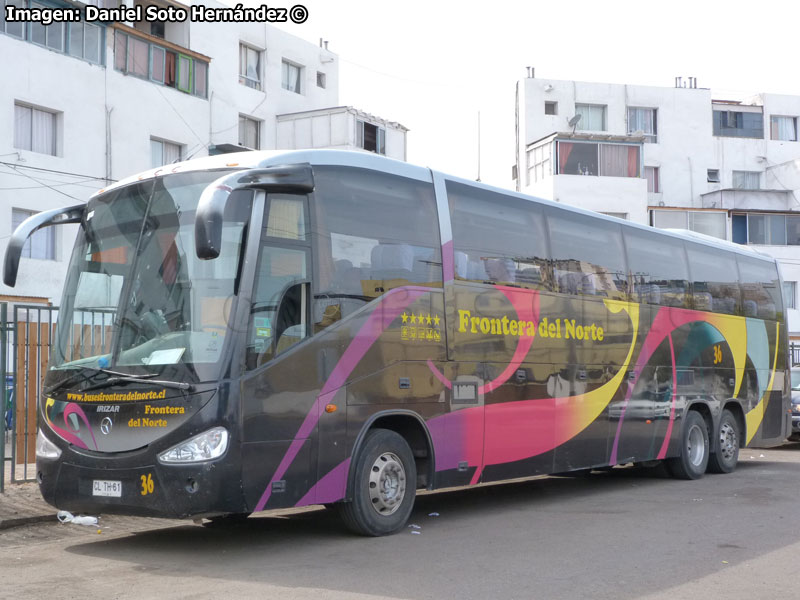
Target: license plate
x=103, y=487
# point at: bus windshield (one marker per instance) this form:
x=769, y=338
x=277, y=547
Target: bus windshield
x=137, y=299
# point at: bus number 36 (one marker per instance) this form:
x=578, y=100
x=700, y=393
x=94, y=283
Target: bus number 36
x=717, y=354
x=147, y=484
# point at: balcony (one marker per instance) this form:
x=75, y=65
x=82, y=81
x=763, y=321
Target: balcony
x=738, y=199
x=160, y=61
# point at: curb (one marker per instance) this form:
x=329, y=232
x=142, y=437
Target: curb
x=19, y=522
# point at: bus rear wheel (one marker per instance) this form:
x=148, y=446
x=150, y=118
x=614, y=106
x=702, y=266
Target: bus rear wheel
x=727, y=455
x=384, y=485
x=692, y=462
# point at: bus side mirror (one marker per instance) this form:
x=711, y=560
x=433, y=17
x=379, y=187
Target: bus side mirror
x=57, y=216
x=289, y=179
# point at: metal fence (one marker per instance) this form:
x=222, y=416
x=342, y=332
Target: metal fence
x=27, y=334
x=794, y=353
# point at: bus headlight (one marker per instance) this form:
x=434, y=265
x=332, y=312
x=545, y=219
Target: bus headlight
x=204, y=446
x=45, y=448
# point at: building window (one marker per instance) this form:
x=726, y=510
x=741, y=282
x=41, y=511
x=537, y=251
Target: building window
x=291, y=77
x=249, y=133
x=16, y=29
x=712, y=176
x=51, y=36
x=746, y=180
x=618, y=215
x=551, y=108
x=370, y=137
x=249, y=67
x=653, y=176
x=731, y=123
x=139, y=57
x=593, y=117
x=164, y=153
x=766, y=229
x=783, y=128
x=644, y=120
x=790, y=294
x=158, y=29
x=34, y=129
x=80, y=39
x=539, y=163
x=42, y=244
x=85, y=41
x=705, y=222
x=608, y=160
x=322, y=80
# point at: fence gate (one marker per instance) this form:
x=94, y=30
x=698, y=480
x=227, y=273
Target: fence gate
x=24, y=355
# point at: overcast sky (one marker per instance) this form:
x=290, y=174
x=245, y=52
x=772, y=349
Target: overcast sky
x=432, y=65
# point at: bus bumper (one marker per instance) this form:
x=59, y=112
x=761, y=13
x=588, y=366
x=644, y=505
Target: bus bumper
x=82, y=484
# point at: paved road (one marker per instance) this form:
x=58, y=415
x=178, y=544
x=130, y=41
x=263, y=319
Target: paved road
x=624, y=534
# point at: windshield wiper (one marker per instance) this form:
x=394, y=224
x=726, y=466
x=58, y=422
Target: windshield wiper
x=124, y=378
x=87, y=376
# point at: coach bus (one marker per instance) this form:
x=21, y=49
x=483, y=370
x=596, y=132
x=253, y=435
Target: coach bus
x=265, y=330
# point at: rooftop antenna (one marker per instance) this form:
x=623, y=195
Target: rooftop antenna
x=573, y=122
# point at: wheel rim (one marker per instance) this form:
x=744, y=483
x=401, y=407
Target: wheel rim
x=728, y=441
x=387, y=484
x=696, y=447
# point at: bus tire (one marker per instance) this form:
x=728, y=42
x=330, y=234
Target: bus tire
x=727, y=455
x=693, y=459
x=384, y=485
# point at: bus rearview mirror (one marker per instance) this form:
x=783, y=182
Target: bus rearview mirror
x=57, y=216
x=289, y=179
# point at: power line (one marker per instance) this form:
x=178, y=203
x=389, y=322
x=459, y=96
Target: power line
x=14, y=168
x=56, y=183
x=17, y=165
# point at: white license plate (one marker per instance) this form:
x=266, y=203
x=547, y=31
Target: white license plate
x=102, y=487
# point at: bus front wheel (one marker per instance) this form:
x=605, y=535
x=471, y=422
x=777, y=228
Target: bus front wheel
x=384, y=485
x=692, y=462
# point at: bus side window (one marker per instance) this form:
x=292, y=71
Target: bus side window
x=715, y=280
x=518, y=257
x=658, y=271
x=373, y=232
x=588, y=256
x=761, y=296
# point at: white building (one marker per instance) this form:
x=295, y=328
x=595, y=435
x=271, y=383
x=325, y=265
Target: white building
x=671, y=158
x=84, y=104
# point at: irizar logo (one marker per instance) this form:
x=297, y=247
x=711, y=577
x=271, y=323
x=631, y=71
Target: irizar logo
x=108, y=409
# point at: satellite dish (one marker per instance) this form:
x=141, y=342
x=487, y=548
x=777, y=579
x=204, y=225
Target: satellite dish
x=574, y=121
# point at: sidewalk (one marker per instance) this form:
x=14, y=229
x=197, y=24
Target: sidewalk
x=21, y=503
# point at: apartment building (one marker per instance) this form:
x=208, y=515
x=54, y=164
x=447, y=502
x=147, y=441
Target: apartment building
x=670, y=157
x=86, y=103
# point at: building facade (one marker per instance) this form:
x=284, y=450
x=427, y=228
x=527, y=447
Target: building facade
x=670, y=157
x=88, y=103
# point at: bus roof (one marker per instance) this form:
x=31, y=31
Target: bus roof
x=253, y=159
